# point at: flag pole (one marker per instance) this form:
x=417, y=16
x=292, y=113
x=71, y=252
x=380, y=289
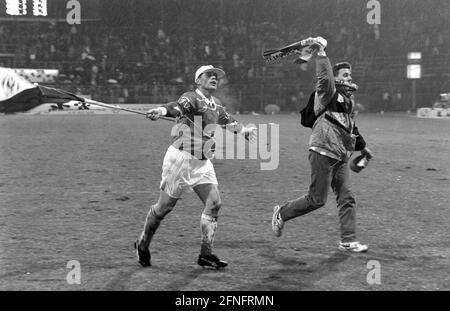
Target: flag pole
x=117, y=107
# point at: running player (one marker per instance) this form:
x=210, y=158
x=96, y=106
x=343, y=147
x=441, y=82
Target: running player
x=187, y=162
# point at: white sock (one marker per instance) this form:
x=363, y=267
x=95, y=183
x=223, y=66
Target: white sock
x=208, y=226
x=152, y=223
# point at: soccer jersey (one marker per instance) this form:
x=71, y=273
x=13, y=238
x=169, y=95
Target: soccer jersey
x=198, y=117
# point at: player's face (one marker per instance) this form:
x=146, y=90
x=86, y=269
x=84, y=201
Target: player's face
x=345, y=75
x=208, y=80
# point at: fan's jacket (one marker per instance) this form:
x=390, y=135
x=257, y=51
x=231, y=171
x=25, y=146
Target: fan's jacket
x=334, y=133
x=198, y=118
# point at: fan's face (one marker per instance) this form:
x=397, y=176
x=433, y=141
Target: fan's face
x=345, y=75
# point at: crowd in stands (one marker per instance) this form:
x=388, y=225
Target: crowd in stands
x=138, y=51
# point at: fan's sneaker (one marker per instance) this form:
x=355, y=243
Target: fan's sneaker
x=277, y=222
x=211, y=261
x=354, y=247
x=144, y=257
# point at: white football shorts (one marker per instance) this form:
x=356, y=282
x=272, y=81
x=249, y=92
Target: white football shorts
x=181, y=171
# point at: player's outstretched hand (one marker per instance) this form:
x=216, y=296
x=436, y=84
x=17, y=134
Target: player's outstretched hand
x=250, y=133
x=154, y=114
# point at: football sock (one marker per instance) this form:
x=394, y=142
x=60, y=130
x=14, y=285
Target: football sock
x=208, y=226
x=152, y=223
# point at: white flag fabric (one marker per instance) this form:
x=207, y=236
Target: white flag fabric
x=19, y=95
x=11, y=83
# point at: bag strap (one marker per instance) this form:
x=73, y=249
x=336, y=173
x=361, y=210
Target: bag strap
x=337, y=123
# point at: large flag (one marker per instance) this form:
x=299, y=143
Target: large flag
x=20, y=95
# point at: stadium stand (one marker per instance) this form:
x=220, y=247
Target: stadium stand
x=143, y=56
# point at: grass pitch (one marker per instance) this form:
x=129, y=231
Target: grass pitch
x=78, y=187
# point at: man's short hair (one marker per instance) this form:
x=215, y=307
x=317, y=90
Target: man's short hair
x=339, y=66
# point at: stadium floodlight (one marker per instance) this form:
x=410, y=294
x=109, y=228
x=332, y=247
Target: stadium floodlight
x=415, y=55
x=414, y=68
x=414, y=72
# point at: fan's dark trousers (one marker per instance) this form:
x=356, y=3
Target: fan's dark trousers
x=326, y=171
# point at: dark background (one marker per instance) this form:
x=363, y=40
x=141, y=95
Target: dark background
x=146, y=51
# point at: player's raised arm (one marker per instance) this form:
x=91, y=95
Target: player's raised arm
x=325, y=86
